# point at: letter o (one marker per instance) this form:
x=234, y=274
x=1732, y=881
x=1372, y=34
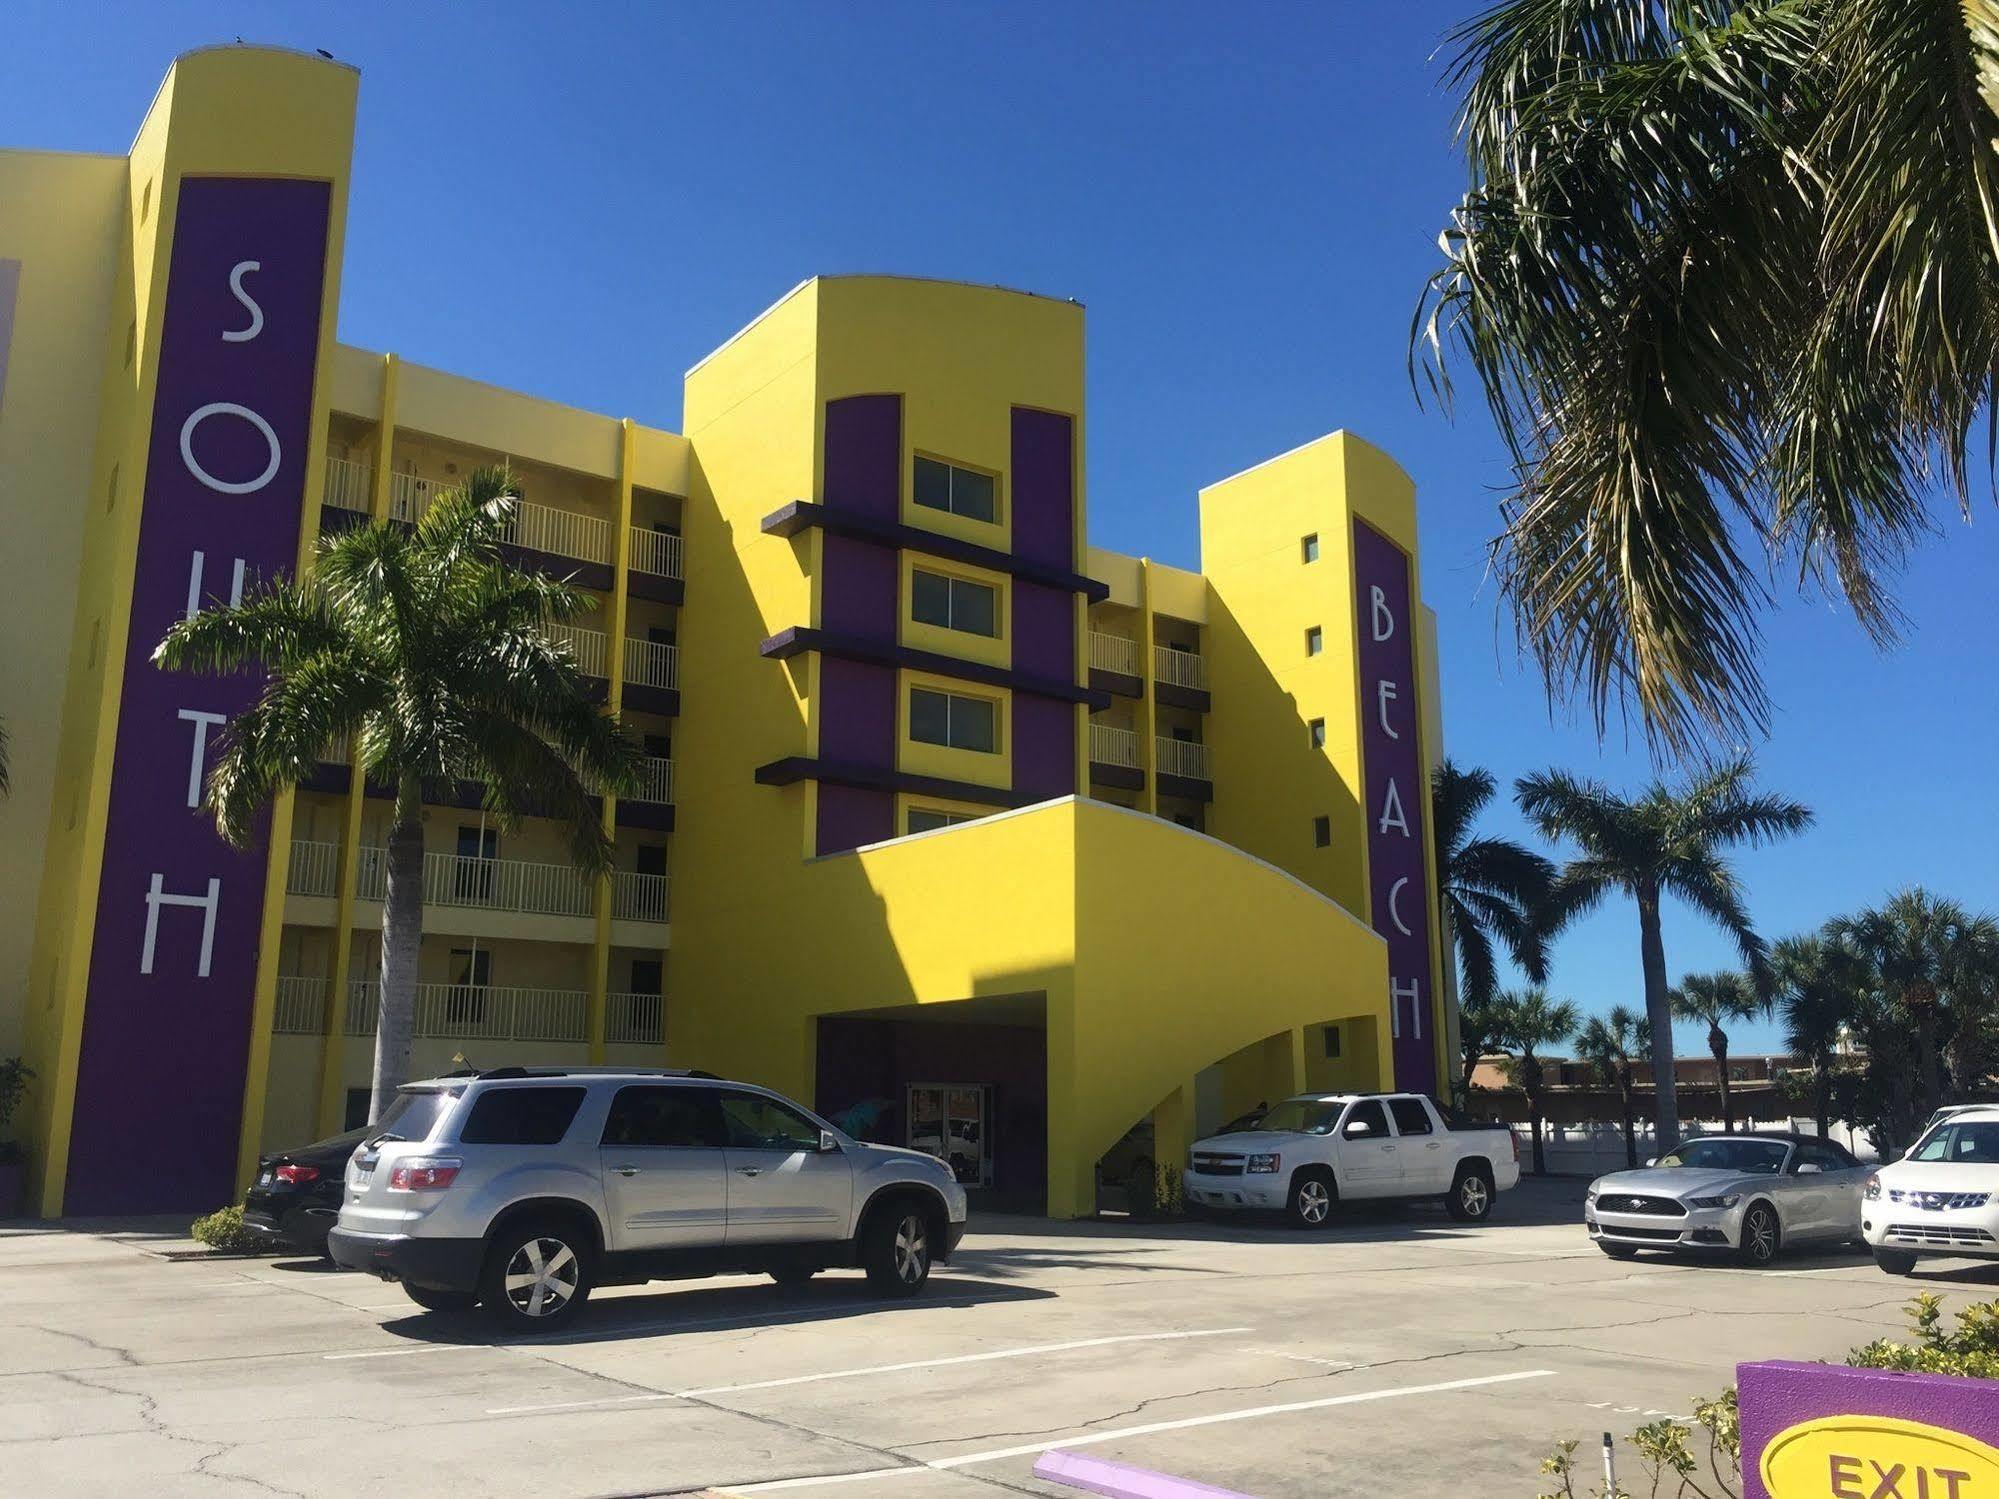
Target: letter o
x=229, y=408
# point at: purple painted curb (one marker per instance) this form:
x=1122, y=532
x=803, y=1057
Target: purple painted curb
x=1098, y=1476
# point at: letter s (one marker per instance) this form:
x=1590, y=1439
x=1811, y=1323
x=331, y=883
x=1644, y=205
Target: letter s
x=244, y=335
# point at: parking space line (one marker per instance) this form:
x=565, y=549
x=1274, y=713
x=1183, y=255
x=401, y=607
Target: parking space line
x=921, y=1363
x=1120, y=1433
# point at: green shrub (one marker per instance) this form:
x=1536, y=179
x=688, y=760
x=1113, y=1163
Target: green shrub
x=223, y=1229
x=14, y=1075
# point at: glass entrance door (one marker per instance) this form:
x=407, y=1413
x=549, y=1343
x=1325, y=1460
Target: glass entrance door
x=949, y=1121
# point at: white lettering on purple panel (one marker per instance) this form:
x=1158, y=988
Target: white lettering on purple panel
x=156, y=897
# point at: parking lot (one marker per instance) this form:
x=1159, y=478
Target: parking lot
x=1398, y=1349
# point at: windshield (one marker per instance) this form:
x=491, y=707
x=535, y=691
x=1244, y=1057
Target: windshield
x=1303, y=1116
x=1750, y=1157
x=413, y=1114
x=1975, y=1143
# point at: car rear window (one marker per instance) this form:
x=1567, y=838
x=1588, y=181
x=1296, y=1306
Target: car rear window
x=1411, y=1118
x=520, y=1116
x=413, y=1113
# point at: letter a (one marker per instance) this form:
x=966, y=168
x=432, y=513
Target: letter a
x=1391, y=812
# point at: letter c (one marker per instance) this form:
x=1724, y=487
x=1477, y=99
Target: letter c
x=229, y=408
x=1394, y=911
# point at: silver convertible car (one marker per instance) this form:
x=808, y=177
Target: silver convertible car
x=1746, y=1195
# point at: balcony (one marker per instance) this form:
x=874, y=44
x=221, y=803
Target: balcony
x=348, y=485
x=450, y=880
x=651, y=666
x=481, y=1012
x=1114, y=664
x=634, y=1019
x=1183, y=769
x=655, y=553
x=655, y=786
x=1180, y=677
x=1114, y=759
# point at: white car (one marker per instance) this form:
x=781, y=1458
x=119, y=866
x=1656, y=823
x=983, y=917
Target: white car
x=1942, y=1198
x=1746, y=1195
x=1309, y=1152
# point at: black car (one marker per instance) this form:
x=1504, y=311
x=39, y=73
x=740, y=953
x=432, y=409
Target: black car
x=296, y=1195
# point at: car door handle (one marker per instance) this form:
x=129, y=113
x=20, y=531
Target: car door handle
x=626, y=1170
x=1434, y=1145
x=749, y=1171
x=1386, y=1148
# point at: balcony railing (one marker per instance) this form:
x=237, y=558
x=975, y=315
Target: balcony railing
x=492, y=884
x=655, y=782
x=655, y=552
x=651, y=663
x=1113, y=653
x=1183, y=758
x=485, y=1012
x=634, y=1019
x=638, y=897
x=301, y=1007
x=561, y=533
x=410, y=496
x=1180, y=668
x=313, y=868
x=587, y=646
x=1110, y=745
x=347, y=484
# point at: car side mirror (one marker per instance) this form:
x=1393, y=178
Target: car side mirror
x=1810, y=1168
x=828, y=1140
x=1359, y=1129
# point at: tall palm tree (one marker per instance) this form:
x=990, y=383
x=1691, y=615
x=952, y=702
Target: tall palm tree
x=1818, y=982
x=1614, y=1045
x=1492, y=888
x=1532, y=1023
x=1728, y=275
x=1668, y=840
x=1481, y=1031
x=431, y=655
x=1924, y=950
x=1716, y=1000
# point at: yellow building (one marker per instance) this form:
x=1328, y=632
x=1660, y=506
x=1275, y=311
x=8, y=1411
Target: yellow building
x=974, y=836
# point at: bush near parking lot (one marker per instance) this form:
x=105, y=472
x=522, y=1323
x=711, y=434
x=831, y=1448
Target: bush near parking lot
x=224, y=1230
x=1666, y=1449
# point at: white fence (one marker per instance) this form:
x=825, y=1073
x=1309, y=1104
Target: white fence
x=634, y=1019
x=494, y=884
x=1593, y=1149
x=1111, y=745
x=301, y=1007
x=1180, y=668
x=1182, y=757
x=587, y=646
x=561, y=533
x=655, y=782
x=347, y=485
x=651, y=663
x=1113, y=653
x=655, y=552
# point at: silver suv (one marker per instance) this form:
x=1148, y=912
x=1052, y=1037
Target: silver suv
x=525, y=1188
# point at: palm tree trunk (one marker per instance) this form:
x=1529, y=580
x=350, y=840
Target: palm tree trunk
x=1630, y=1124
x=1825, y=1101
x=1929, y=1070
x=1659, y=1018
x=402, y=939
x=1534, y=1126
x=1718, y=1044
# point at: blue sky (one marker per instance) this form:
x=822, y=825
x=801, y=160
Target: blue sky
x=581, y=201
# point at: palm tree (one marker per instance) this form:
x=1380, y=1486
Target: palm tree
x=1491, y=887
x=1817, y=985
x=431, y=655
x=1715, y=999
x=1924, y=951
x=1728, y=277
x=1615, y=1044
x=1481, y=1031
x=1532, y=1021
x=1668, y=840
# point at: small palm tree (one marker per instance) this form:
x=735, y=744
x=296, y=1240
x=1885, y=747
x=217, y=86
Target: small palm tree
x=1716, y=1000
x=1481, y=1031
x=1533, y=1022
x=1668, y=840
x=1818, y=988
x=431, y=655
x=1492, y=888
x=1615, y=1044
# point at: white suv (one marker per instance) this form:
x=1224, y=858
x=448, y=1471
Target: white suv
x=524, y=1188
x=1942, y=1198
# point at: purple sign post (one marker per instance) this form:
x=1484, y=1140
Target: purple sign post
x=1397, y=837
x=173, y=965
x=1829, y=1432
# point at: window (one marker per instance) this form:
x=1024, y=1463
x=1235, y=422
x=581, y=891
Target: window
x=414, y=1112
x=961, y=491
x=647, y=975
x=472, y=874
x=520, y=1116
x=1322, y=832
x=1741, y=1154
x=1823, y=1154
x=953, y=603
x=754, y=1122
x=1301, y=1116
x=1317, y=728
x=471, y=976
x=1309, y=547
x=1411, y=1118
x=1331, y=1035
x=1367, y=1112
x=664, y=1118
x=929, y=819
x=1974, y=1143
x=945, y=718
x=1315, y=641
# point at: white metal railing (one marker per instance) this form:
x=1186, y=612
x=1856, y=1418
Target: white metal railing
x=347, y=484
x=335, y=752
x=651, y=663
x=301, y=1006
x=655, y=552
x=634, y=1018
x=410, y=496
x=638, y=897
x=478, y=1011
x=1182, y=757
x=1115, y=653
x=655, y=782
x=371, y=873
x=364, y=997
x=561, y=533
x=1111, y=745
x=587, y=646
x=506, y=885
x=1180, y=668
x=313, y=868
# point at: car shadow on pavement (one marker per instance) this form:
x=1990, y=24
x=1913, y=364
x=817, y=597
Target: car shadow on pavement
x=664, y=1310
x=1961, y=1274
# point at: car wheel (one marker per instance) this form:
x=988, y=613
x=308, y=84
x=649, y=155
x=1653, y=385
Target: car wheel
x=895, y=1248
x=538, y=1275
x=1761, y=1236
x=793, y=1275
x=1313, y=1193
x=1895, y=1261
x=1470, y=1197
x=1617, y=1251
x=441, y=1301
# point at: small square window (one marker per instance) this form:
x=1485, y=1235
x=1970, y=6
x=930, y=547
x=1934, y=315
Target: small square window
x=961, y=491
x=1318, y=730
x=1309, y=547
x=1315, y=641
x=1322, y=832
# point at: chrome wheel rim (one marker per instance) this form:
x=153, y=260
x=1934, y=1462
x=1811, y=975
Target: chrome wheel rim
x=542, y=1277
x=1762, y=1234
x=1314, y=1202
x=912, y=1250
x=1472, y=1195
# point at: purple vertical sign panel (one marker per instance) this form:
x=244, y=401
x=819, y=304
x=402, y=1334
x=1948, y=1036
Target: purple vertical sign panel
x=173, y=964
x=1391, y=747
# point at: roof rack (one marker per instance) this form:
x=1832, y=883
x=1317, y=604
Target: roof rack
x=502, y=1073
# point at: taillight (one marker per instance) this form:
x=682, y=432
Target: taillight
x=424, y=1174
x=1514, y=1140
x=297, y=1176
